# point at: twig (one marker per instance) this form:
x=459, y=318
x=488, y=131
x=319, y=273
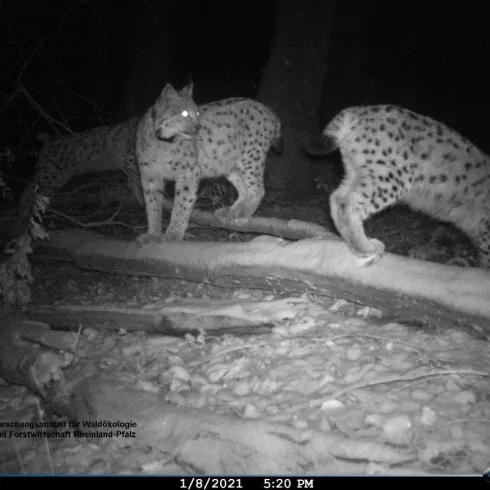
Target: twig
x=9, y=100
x=95, y=224
x=407, y=377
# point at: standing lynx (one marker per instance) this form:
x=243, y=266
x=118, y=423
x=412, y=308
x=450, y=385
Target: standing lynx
x=394, y=155
x=178, y=141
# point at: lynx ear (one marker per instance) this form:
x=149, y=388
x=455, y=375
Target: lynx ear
x=187, y=90
x=168, y=92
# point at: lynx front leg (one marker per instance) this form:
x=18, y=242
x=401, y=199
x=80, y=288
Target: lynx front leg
x=153, y=195
x=185, y=198
x=250, y=190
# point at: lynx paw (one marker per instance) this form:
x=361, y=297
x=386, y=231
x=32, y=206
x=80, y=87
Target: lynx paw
x=227, y=216
x=371, y=257
x=146, y=238
x=173, y=236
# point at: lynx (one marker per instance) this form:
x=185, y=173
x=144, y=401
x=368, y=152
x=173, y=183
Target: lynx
x=96, y=150
x=177, y=140
x=394, y=155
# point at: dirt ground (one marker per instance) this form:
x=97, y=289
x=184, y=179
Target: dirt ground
x=332, y=367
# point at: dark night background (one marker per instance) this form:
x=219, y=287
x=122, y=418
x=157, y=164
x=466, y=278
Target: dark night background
x=76, y=65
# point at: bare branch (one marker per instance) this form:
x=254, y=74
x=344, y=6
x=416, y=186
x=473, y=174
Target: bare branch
x=10, y=99
x=95, y=224
x=47, y=38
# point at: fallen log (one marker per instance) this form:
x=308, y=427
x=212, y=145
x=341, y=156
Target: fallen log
x=207, y=442
x=406, y=288
x=215, y=317
x=291, y=229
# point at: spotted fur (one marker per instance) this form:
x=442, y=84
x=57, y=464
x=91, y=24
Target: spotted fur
x=96, y=150
x=176, y=140
x=394, y=155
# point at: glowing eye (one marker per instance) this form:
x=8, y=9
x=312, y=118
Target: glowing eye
x=198, y=113
x=185, y=113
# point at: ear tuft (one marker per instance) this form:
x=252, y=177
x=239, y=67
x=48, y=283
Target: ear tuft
x=187, y=90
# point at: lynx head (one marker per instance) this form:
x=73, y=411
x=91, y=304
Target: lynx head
x=175, y=114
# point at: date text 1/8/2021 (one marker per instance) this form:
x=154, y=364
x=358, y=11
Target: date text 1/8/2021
x=244, y=483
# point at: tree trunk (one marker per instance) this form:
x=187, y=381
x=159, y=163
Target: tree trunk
x=348, y=82
x=292, y=86
x=148, y=56
x=100, y=78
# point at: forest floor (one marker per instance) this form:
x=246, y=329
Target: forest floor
x=334, y=367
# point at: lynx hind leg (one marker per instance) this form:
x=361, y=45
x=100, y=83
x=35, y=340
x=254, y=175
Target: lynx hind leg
x=250, y=188
x=359, y=196
x=348, y=216
x=184, y=200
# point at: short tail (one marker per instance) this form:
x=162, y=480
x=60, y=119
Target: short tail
x=277, y=142
x=324, y=145
x=277, y=145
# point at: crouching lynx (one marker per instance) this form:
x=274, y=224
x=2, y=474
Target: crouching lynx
x=96, y=150
x=394, y=155
x=176, y=140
